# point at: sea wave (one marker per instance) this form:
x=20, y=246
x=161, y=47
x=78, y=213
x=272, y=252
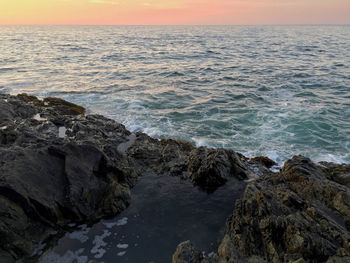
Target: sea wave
x=275, y=91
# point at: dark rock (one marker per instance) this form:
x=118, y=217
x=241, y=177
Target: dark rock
x=61, y=106
x=211, y=168
x=48, y=180
x=187, y=253
x=339, y=173
x=265, y=161
x=64, y=107
x=300, y=214
x=297, y=215
x=58, y=166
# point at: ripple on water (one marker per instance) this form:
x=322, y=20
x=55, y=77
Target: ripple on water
x=183, y=82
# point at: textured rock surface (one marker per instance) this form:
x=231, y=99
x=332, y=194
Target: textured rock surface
x=47, y=181
x=187, y=253
x=58, y=166
x=300, y=214
x=264, y=161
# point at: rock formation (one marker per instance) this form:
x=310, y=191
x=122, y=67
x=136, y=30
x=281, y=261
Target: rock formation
x=59, y=167
x=300, y=214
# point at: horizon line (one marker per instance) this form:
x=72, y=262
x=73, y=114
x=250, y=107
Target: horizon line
x=294, y=24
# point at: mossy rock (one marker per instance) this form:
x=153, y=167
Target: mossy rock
x=62, y=106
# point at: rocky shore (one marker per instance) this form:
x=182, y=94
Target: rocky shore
x=60, y=167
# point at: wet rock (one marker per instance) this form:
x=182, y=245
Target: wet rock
x=297, y=215
x=211, y=168
x=187, y=253
x=300, y=214
x=207, y=168
x=50, y=179
x=64, y=107
x=61, y=106
x=265, y=161
x=47, y=182
x=339, y=173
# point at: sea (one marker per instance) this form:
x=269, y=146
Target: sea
x=276, y=91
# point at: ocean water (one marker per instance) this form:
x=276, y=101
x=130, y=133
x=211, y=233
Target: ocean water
x=260, y=90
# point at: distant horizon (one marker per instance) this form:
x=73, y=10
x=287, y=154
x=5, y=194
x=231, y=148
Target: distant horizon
x=174, y=12
x=348, y=24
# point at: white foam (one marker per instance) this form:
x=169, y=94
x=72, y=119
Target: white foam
x=122, y=222
x=99, y=243
x=136, y=105
x=38, y=117
x=3, y=128
x=122, y=246
x=330, y=158
x=62, y=132
x=275, y=168
x=120, y=254
x=110, y=225
x=201, y=142
x=80, y=235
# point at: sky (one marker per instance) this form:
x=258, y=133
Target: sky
x=174, y=12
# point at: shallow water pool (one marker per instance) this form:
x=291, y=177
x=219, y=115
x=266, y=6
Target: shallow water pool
x=164, y=211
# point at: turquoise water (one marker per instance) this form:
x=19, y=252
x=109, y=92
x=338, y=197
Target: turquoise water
x=260, y=90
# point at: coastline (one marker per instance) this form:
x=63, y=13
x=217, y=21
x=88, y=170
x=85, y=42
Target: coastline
x=60, y=166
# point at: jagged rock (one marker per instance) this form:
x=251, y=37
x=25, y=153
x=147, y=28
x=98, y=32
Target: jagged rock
x=265, y=161
x=339, y=173
x=210, y=168
x=61, y=106
x=297, y=215
x=187, y=253
x=58, y=166
x=48, y=181
x=300, y=214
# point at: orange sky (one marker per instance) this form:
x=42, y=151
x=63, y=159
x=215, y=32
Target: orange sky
x=141, y=12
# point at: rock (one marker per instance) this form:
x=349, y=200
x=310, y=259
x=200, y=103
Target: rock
x=265, y=161
x=300, y=214
x=207, y=168
x=338, y=260
x=297, y=215
x=211, y=168
x=187, y=253
x=338, y=173
x=64, y=107
x=47, y=182
x=59, y=167
x=61, y=106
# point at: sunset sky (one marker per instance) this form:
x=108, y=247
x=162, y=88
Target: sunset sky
x=145, y=12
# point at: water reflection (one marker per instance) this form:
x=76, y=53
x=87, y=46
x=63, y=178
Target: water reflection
x=164, y=211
